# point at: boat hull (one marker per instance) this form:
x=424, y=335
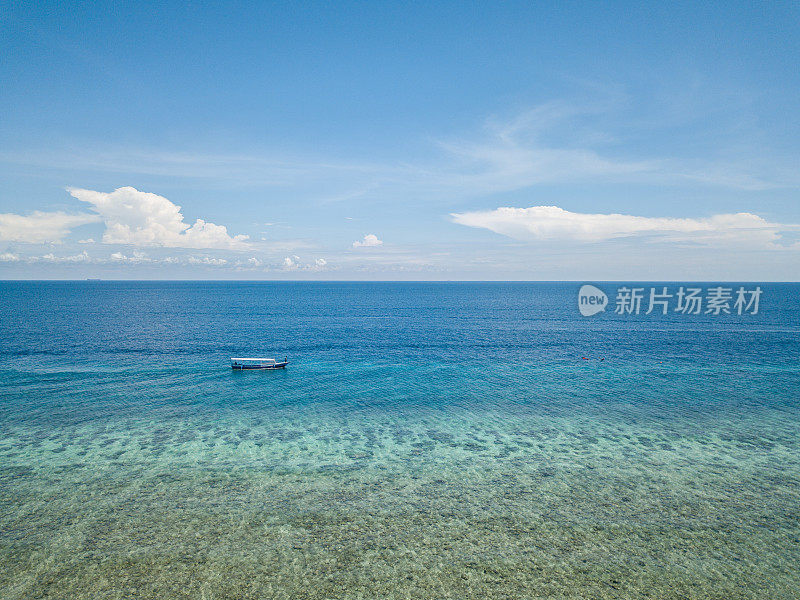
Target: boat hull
x=259, y=367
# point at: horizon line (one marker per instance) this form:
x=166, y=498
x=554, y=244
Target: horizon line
x=99, y=279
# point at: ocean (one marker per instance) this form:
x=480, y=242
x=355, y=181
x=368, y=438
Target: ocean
x=428, y=440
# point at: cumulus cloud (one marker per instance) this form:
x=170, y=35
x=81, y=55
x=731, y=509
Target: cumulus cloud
x=40, y=227
x=320, y=262
x=143, y=219
x=554, y=223
x=369, y=240
x=9, y=257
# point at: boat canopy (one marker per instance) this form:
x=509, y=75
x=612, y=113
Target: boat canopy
x=253, y=359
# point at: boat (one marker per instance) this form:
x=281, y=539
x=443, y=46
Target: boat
x=258, y=363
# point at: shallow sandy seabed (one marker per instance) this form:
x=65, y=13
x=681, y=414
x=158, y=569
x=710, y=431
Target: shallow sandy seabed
x=436, y=506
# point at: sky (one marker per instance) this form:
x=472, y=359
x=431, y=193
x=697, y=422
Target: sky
x=400, y=141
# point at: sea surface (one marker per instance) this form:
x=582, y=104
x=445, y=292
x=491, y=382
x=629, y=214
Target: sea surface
x=428, y=440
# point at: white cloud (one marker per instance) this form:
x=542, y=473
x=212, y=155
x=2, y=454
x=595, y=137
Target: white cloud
x=207, y=261
x=40, y=227
x=295, y=263
x=370, y=240
x=136, y=257
x=50, y=257
x=290, y=263
x=554, y=223
x=144, y=219
x=9, y=257
x=86, y=241
x=254, y=262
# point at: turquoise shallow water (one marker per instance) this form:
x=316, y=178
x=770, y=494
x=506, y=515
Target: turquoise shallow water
x=427, y=441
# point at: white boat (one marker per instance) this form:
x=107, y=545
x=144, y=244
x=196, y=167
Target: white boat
x=258, y=363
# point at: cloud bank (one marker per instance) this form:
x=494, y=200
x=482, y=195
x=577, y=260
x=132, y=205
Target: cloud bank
x=144, y=219
x=553, y=223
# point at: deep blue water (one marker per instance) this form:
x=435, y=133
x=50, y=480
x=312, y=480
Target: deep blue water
x=464, y=412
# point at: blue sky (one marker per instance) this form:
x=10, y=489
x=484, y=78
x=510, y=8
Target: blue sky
x=584, y=141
